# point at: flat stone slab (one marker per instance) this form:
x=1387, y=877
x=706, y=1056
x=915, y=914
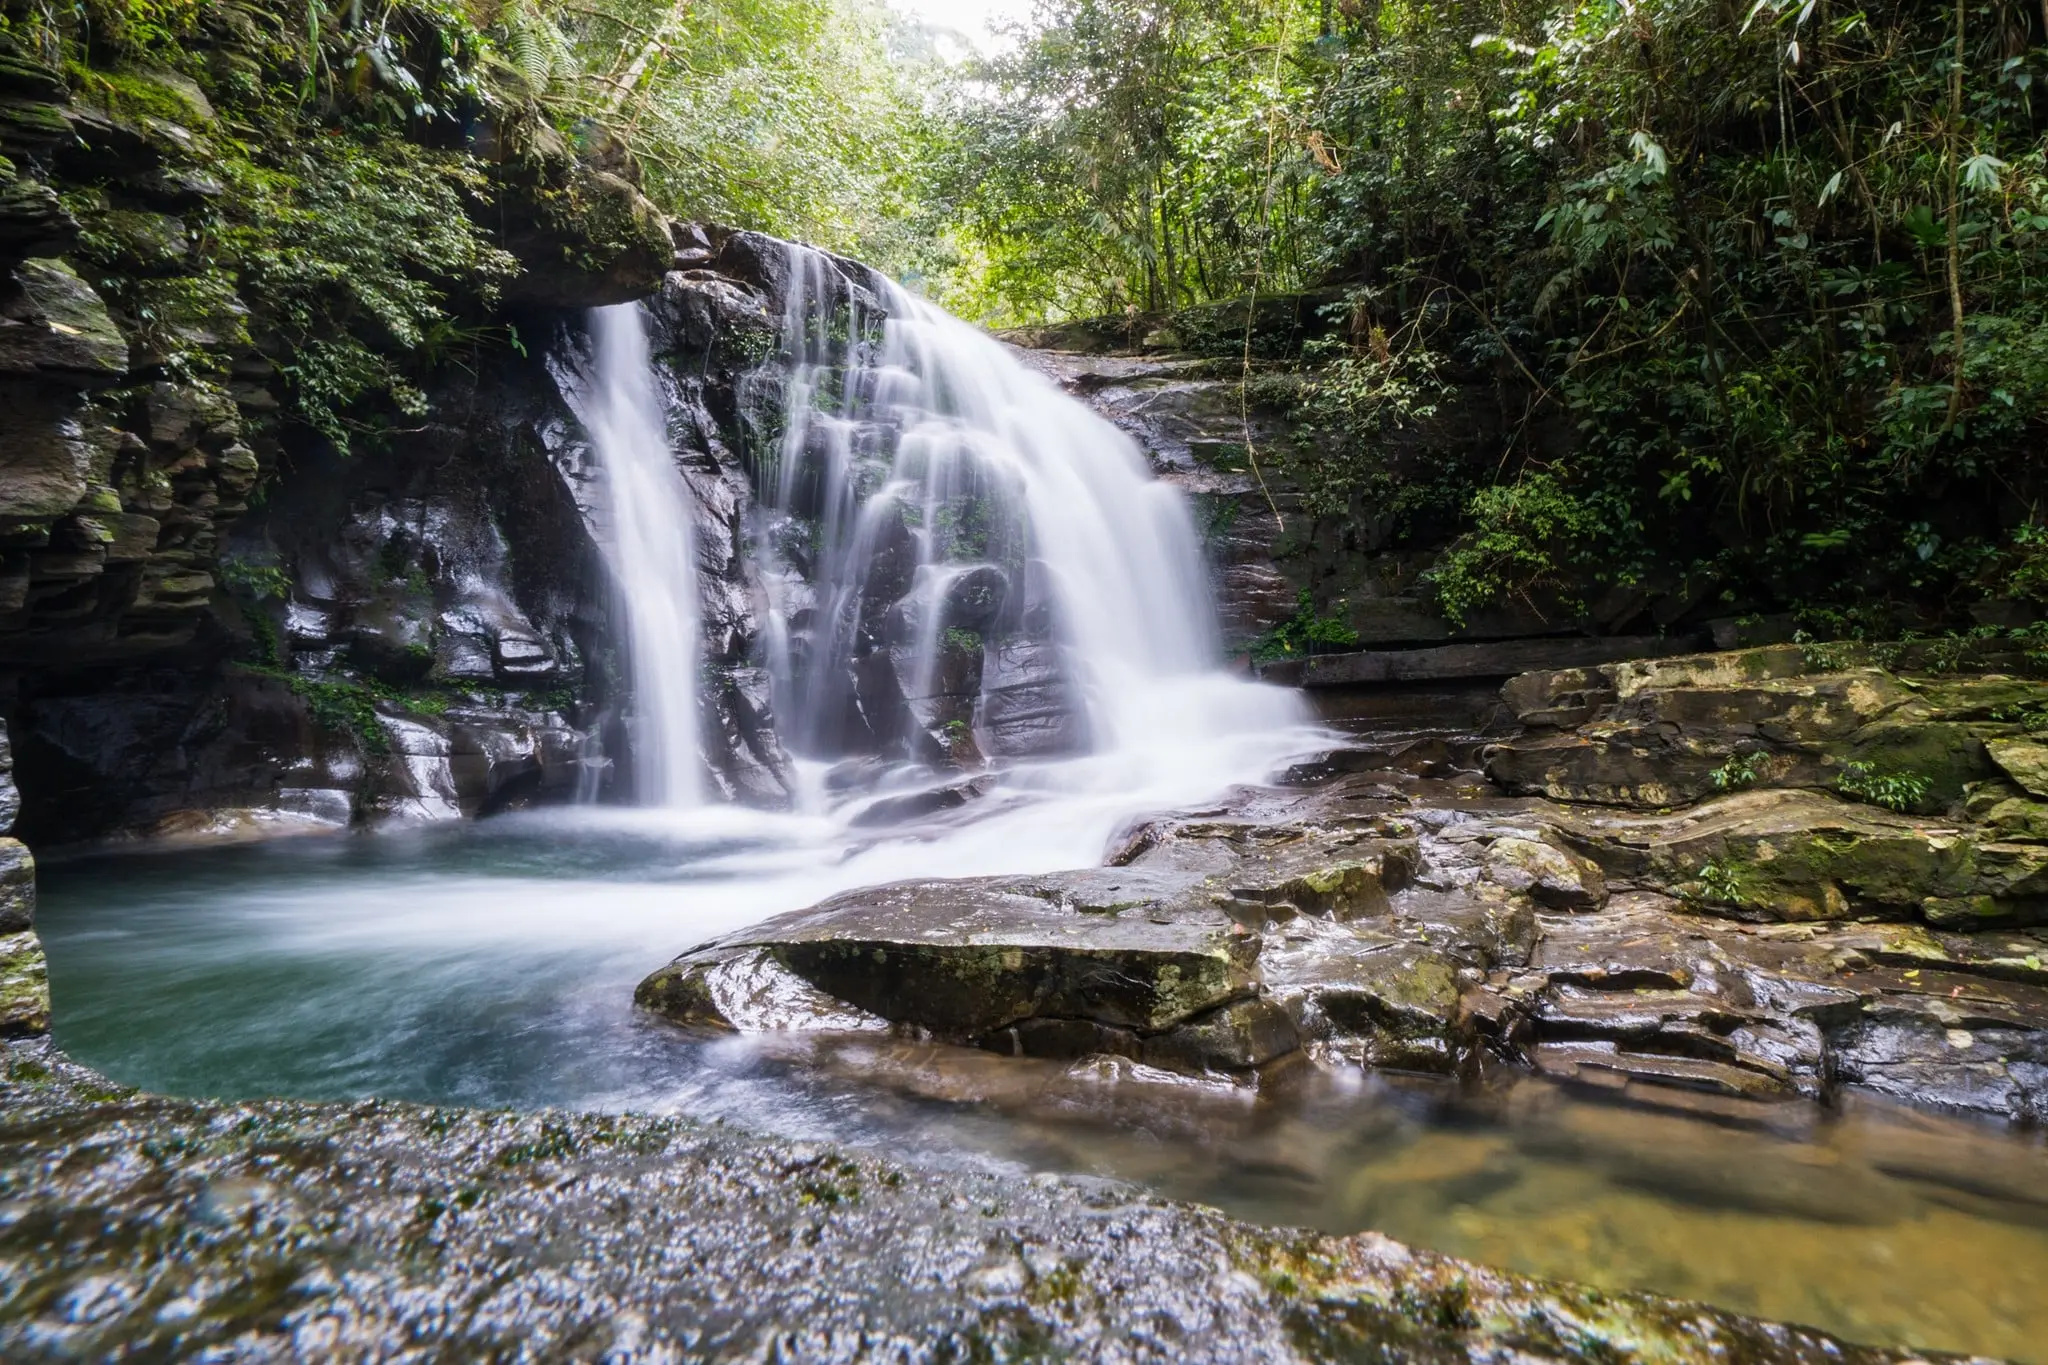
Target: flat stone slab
x=1481, y=659
x=1123, y=948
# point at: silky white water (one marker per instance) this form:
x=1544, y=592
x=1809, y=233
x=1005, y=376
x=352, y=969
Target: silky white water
x=921, y=465
x=648, y=545
x=917, y=455
x=902, y=421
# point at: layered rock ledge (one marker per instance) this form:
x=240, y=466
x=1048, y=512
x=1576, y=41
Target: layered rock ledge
x=1716, y=880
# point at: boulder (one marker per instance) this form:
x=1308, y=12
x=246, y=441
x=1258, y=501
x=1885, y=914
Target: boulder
x=1112, y=960
x=1553, y=877
x=1372, y=998
x=917, y=806
x=2025, y=761
x=748, y=989
x=55, y=327
x=45, y=460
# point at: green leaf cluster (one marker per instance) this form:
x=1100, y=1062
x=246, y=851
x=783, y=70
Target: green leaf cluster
x=1753, y=299
x=1305, y=634
x=1893, y=791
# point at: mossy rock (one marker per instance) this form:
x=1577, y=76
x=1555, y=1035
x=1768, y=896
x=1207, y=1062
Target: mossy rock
x=1733, y=668
x=131, y=240
x=1238, y=1037
x=1394, y=1006
x=27, y=125
x=33, y=220
x=1553, y=877
x=24, y=986
x=2016, y=819
x=1994, y=697
x=1948, y=756
x=17, y=882
x=1786, y=855
x=2025, y=761
x=140, y=95
x=69, y=331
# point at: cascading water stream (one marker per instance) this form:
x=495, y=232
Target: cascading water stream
x=652, y=559
x=950, y=502
x=965, y=571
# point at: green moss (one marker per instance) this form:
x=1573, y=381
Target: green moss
x=24, y=986
x=131, y=95
x=349, y=707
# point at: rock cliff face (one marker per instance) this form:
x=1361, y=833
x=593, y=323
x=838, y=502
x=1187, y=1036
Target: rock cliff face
x=214, y=623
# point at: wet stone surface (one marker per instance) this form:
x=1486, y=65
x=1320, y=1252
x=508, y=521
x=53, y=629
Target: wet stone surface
x=387, y=1231
x=1457, y=905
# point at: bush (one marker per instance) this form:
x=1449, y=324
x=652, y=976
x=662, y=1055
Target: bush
x=1532, y=536
x=1305, y=635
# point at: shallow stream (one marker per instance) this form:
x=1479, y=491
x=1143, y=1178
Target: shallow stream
x=493, y=965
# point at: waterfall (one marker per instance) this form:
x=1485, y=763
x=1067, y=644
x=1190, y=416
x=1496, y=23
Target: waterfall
x=650, y=512
x=982, y=543
x=960, y=569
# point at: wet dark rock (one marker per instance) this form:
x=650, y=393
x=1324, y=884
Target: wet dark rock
x=53, y=326
x=1966, y=1051
x=1553, y=877
x=1028, y=705
x=592, y=241
x=1377, y=1000
x=903, y=810
x=24, y=976
x=1157, y=961
x=1235, y=1037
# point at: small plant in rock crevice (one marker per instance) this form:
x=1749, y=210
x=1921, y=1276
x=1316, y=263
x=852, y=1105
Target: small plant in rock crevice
x=1307, y=634
x=1893, y=791
x=1717, y=884
x=1740, y=772
x=1824, y=656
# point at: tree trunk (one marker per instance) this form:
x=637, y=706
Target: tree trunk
x=628, y=82
x=1955, y=215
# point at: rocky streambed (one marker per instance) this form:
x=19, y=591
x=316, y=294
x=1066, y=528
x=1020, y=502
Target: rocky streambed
x=1667, y=886
x=136, y=1224
x=1668, y=877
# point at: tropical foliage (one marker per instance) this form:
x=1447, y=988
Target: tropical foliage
x=800, y=117
x=1754, y=291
